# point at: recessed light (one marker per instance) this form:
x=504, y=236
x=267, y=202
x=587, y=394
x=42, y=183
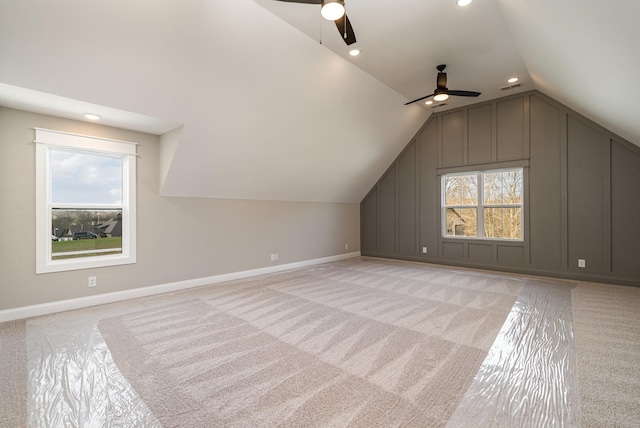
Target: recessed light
x=464, y=2
x=428, y=102
x=513, y=80
x=354, y=52
x=92, y=116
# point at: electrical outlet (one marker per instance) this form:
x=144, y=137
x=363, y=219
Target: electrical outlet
x=276, y=256
x=346, y=246
x=582, y=263
x=424, y=250
x=92, y=282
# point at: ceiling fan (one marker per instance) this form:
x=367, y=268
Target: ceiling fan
x=333, y=10
x=442, y=92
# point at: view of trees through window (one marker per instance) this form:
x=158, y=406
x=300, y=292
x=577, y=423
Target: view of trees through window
x=483, y=204
x=461, y=198
x=503, y=204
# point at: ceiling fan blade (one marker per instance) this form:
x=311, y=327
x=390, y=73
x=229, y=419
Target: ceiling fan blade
x=303, y=1
x=419, y=99
x=464, y=93
x=346, y=32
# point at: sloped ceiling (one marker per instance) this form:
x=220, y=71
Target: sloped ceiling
x=585, y=54
x=251, y=106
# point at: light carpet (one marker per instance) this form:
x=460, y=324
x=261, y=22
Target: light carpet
x=357, y=343
x=13, y=383
x=607, y=339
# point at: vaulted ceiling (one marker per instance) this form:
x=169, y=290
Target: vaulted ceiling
x=250, y=105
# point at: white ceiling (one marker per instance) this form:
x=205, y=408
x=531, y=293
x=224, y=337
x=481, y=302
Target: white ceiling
x=264, y=111
x=402, y=47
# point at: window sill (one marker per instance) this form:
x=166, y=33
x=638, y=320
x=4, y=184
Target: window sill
x=84, y=263
x=515, y=242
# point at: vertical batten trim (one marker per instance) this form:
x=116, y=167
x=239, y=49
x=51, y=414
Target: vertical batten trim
x=564, y=189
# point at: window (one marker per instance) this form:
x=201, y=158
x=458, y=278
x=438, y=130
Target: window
x=483, y=204
x=85, y=207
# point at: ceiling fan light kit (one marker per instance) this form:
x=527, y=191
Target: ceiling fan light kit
x=442, y=96
x=332, y=9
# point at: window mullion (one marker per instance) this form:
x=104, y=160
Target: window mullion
x=87, y=206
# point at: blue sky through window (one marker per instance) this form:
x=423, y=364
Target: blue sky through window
x=81, y=178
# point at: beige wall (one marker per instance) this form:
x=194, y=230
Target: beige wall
x=178, y=238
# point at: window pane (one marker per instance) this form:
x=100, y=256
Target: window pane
x=452, y=190
x=85, y=233
x=80, y=178
x=470, y=190
x=493, y=222
x=461, y=190
x=503, y=223
x=512, y=187
x=493, y=189
x=461, y=222
x=503, y=188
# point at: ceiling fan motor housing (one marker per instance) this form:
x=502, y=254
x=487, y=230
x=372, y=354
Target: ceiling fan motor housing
x=441, y=83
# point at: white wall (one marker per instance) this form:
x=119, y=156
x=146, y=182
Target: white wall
x=178, y=238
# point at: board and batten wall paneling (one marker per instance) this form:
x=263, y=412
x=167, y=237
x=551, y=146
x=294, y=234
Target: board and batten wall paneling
x=510, y=129
x=581, y=200
x=480, y=252
x=625, y=210
x=406, y=176
x=387, y=212
x=428, y=188
x=479, y=140
x=510, y=254
x=545, y=190
x=453, y=250
x=452, y=150
x=369, y=221
x=585, y=194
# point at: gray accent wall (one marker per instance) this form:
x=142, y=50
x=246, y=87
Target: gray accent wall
x=581, y=183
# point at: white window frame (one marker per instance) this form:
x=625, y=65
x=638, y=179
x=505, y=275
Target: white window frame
x=480, y=206
x=46, y=140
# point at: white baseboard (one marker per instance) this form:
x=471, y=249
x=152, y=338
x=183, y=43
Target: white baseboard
x=100, y=299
